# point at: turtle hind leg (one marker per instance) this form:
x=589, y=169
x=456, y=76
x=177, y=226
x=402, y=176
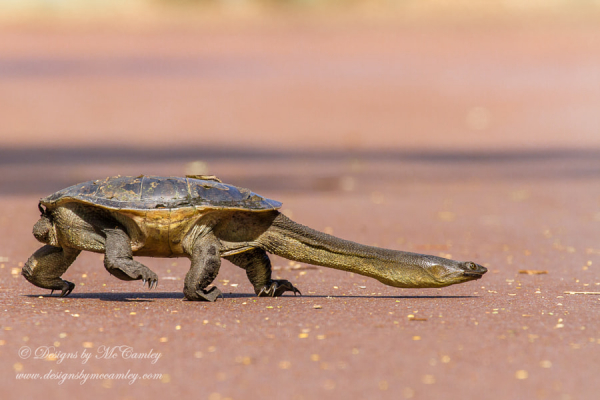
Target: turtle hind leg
x=206, y=262
x=258, y=269
x=45, y=267
x=119, y=262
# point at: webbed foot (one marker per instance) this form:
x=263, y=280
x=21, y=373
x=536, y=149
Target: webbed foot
x=204, y=295
x=132, y=270
x=276, y=288
x=119, y=262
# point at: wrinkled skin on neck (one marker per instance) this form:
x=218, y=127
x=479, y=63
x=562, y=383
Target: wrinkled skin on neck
x=402, y=269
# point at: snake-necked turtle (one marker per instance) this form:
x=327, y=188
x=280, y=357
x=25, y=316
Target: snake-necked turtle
x=205, y=220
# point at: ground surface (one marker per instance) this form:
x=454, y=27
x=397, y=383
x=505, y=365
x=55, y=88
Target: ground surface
x=473, y=143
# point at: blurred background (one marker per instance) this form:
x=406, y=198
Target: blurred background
x=466, y=129
x=297, y=95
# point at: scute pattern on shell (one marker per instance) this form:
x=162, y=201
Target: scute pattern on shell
x=152, y=192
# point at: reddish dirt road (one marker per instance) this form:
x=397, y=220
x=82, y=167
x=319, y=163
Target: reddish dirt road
x=472, y=143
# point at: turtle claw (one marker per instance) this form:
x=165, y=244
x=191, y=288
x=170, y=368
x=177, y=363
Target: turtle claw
x=149, y=278
x=67, y=291
x=278, y=287
x=206, y=295
x=152, y=282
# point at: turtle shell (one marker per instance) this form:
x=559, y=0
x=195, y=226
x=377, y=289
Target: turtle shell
x=155, y=192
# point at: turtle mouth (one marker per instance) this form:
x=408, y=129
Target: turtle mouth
x=477, y=274
x=474, y=275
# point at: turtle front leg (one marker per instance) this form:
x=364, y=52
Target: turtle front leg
x=258, y=269
x=45, y=267
x=206, y=262
x=119, y=262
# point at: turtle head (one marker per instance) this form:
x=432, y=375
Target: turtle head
x=449, y=272
x=472, y=271
x=44, y=230
x=413, y=270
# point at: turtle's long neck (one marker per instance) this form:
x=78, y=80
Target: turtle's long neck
x=293, y=241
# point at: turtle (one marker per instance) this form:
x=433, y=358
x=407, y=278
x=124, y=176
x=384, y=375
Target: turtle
x=204, y=219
